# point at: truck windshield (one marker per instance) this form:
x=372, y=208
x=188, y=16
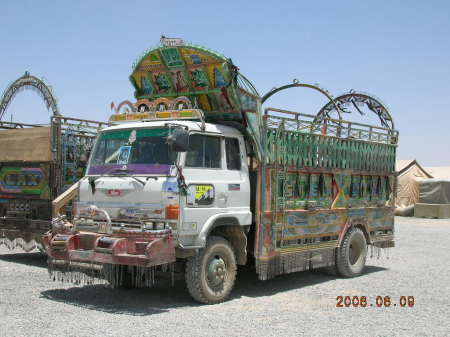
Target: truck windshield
x=138, y=151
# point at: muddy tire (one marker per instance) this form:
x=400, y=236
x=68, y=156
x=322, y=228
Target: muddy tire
x=351, y=255
x=210, y=275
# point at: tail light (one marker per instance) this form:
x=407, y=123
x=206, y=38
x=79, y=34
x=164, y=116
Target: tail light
x=172, y=212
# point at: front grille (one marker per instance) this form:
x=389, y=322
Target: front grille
x=155, y=225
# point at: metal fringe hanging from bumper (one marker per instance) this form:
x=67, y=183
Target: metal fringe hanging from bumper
x=114, y=275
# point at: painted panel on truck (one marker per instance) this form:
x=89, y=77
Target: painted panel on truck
x=313, y=187
x=30, y=181
x=209, y=79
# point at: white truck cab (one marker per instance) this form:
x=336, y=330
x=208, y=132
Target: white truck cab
x=131, y=185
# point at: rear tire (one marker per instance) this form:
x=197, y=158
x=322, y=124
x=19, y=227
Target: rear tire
x=210, y=275
x=351, y=255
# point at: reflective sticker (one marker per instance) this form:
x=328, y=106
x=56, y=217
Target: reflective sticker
x=189, y=226
x=234, y=187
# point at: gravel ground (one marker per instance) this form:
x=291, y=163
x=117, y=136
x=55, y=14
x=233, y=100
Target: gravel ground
x=290, y=305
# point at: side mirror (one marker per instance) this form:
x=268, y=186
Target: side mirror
x=179, y=140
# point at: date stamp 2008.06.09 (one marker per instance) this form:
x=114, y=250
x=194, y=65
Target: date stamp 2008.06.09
x=378, y=301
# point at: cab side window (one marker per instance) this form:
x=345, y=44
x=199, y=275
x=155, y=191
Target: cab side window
x=204, y=151
x=233, y=154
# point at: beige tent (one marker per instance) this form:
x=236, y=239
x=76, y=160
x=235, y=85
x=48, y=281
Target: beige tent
x=409, y=174
x=434, y=199
x=441, y=172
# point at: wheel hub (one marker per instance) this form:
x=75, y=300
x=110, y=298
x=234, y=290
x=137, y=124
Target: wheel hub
x=216, y=271
x=355, y=251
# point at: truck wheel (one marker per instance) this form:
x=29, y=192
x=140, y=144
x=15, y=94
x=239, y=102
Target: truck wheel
x=210, y=275
x=351, y=255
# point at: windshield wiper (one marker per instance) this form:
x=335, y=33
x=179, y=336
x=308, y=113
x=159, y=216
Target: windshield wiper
x=92, y=180
x=119, y=171
x=123, y=173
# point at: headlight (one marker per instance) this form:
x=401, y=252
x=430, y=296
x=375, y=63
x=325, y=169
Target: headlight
x=148, y=226
x=159, y=225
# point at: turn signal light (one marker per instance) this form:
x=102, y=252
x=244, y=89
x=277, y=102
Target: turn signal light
x=172, y=212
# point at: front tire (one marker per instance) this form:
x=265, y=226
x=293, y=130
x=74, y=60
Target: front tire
x=210, y=275
x=351, y=255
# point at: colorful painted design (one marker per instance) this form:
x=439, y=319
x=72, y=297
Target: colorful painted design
x=297, y=149
x=146, y=86
x=172, y=57
x=209, y=79
x=195, y=59
x=219, y=80
x=180, y=81
x=164, y=114
x=73, y=173
x=162, y=82
x=24, y=180
x=314, y=186
x=199, y=79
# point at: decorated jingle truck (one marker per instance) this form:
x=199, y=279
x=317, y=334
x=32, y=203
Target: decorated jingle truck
x=37, y=163
x=195, y=177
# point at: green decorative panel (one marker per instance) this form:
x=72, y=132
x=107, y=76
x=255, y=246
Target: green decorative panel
x=172, y=57
x=297, y=149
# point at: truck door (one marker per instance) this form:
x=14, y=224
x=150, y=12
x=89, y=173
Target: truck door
x=203, y=171
x=237, y=190
x=216, y=183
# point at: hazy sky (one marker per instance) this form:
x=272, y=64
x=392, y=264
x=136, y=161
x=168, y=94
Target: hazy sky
x=396, y=50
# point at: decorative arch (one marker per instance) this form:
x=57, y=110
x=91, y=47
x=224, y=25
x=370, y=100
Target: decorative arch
x=180, y=100
x=162, y=101
x=297, y=84
x=28, y=81
x=357, y=100
x=122, y=105
x=143, y=105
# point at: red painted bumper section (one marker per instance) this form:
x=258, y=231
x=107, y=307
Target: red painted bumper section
x=143, y=249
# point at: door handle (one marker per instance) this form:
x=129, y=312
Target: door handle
x=223, y=197
x=222, y=200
